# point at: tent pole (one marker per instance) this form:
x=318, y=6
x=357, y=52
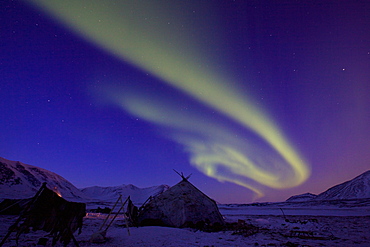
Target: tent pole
x=105, y=221
x=116, y=214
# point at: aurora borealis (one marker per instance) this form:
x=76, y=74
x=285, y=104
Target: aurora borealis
x=195, y=77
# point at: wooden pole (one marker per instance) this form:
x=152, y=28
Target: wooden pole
x=117, y=213
x=119, y=198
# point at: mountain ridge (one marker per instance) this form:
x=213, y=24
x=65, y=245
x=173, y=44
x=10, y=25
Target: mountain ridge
x=356, y=188
x=22, y=181
x=111, y=193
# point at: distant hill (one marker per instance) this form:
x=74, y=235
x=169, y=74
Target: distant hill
x=110, y=194
x=20, y=181
x=302, y=198
x=357, y=188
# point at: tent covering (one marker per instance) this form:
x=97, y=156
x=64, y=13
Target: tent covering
x=48, y=212
x=183, y=205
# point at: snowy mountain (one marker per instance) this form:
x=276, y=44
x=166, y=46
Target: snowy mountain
x=357, y=188
x=20, y=181
x=302, y=198
x=111, y=194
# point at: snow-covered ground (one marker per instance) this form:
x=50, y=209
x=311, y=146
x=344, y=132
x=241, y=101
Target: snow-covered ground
x=335, y=227
x=235, y=210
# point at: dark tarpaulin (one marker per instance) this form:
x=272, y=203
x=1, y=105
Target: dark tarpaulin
x=53, y=214
x=132, y=212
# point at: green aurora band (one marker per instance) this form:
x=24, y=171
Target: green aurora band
x=157, y=37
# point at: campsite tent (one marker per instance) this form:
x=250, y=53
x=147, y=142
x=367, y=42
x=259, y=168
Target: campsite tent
x=183, y=205
x=49, y=212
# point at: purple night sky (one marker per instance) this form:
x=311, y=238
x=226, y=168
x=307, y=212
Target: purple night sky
x=224, y=90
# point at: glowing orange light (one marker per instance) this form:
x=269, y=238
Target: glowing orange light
x=55, y=189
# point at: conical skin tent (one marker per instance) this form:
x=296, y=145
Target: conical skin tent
x=183, y=205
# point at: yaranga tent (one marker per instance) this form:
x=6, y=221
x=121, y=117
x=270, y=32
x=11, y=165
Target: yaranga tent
x=48, y=212
x=183, y=205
